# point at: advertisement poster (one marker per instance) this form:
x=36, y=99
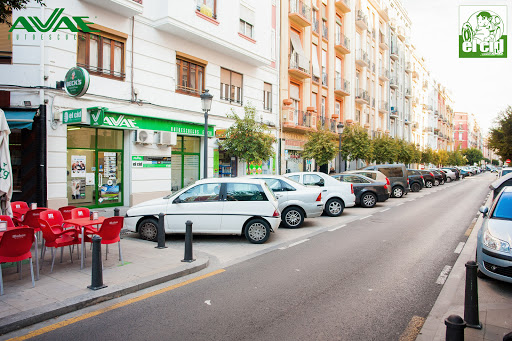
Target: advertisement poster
x=109, y=193
x=110, y=165
x=78, y=163
x=78, y=189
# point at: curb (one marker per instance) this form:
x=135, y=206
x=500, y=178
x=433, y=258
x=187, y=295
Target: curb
x=27, y=318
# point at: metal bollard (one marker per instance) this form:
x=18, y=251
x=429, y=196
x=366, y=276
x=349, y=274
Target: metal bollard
x=161, y=232
x=116, y=212
x=471, y=297
x=97, y=266
x=454, y=328
x=188, y=243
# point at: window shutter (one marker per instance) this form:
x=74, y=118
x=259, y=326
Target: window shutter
x=294, y=92
x=247, y=15
x=297, y=47
x=316, y=65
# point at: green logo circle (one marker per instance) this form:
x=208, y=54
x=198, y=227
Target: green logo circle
x=76, y=82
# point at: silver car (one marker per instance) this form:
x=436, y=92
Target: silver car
x=296, y=201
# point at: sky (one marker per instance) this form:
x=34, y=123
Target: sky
x=478, y=85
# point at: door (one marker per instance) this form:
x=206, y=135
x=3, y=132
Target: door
x=81, y=166
x=109, y=177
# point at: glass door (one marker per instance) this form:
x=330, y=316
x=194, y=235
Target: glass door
x=109, y=177
x=81, y=167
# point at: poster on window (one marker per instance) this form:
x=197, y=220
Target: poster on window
x=78, y=163
x=110, y=165
x=78, y=189
x=255, y=168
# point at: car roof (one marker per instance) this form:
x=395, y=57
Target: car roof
x=229, y=180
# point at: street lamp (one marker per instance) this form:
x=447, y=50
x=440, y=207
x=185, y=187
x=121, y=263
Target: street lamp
x=339, y=128
x=206, y=104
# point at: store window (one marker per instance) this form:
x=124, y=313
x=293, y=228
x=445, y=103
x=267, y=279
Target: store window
x=102, y=54
x=185, y=159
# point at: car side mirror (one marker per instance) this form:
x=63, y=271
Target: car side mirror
x=484, y=210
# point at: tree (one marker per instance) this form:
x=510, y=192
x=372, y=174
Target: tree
x=456, y=158
x=405, y=151
x=321, y=146
x=384, y=149
x=473, y=155
x=442, y=157
x=248, y=139
x=495, y=162
x=500, y=136
x=356, y=144
x=7, y=6
x=427, y=156
x=416, y=155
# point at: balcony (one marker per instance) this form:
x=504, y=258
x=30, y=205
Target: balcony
x=325, y=31
x=314, y=27
x=324, y=79
x=393, y=54
x=361, y=20
x=342, y=44
x=408, y=67
x=298, y=120
x=436, y=113
x=373, y=67
x=425, y=84
x=393, y=83
x=383, y=107
x=407, y=120
x=394, y=113
x=343, y=5
x=415, y=126
x=299, y=66
x=342, y=87
x=299, y=13
x=401, y=33
x=436, y=131
x=408, y=93
x=362, y=96
x=383, y=42
x=384, y=13
x=384, y=74
x=362, y=58
x=126, y=8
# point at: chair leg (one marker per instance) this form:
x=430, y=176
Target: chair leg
x=70, y=253
x=120, y=253
x=1, y=282
x=20, y=268
x=61, y=253
x=32, y=273
x=53, y=259
x=106, y=252
x=42, y=258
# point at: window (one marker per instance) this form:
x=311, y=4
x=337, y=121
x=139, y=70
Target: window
x=208, y=8
x=246, y=28
x=230, y=86
x=324, y=21
x=189, y=77
x=101, y=55
x=337, y=110
x=267, y=97
x=392, y=172
x=323, y=107
x=244, y=192
x=313, y=179
x=502, y=210
x=6, y=42
x=324, y=67
x=201, y=193
x=460, y=136
x=295, y=178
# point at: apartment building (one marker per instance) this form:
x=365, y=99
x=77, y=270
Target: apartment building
x=141, y=134
x=315, y=54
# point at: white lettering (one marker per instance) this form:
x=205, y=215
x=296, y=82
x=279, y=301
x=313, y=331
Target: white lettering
x=466, y=46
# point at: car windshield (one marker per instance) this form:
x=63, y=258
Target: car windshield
x=506, y=171
x=503, y=209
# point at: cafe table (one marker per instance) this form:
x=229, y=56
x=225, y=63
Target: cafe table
x=82, y=223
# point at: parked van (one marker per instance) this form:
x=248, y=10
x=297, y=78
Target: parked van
x=397, y=175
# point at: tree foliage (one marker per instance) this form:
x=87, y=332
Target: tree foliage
x=384, y=149
x=320, y=146
x=442, y=157
x=500, y=137
x=427, y=156
x=7, y=6
x=473, y=155
x=248, y=139
x=456, y=158
x=416, y=154
x=405, y=151
x=356, y=144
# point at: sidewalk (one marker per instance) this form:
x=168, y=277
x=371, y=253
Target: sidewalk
x=65, y=290
x=494, y=300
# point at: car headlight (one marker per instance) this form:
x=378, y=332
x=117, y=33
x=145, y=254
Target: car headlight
x=494, y=243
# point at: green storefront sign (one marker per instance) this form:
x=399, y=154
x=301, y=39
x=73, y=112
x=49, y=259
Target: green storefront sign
x=151, y=161
x=109, y=119
x=72, y=116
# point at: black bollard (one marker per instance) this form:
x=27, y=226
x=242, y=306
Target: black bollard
x=508, y=337
x=116, y=212
x=161, y=232
x=188, y=243
x=454, y=328
x=471, y=297
x=97, y=266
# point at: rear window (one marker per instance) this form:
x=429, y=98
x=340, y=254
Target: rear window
x=392, y=172
x=245, y=192
x=503, y=209
x=369, y=175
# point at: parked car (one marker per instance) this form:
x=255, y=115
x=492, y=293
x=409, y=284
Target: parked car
x=454, y=170
x=416, y=181
x=499, y=184
x=450, y=174
x=296, y=201
x=439, y=178
x=428, y=177
x=336, y=195
x=367, y=191
x=398, y=176
x=372, y=174
x=493, y=251
x=237, y=206
x=505, y=171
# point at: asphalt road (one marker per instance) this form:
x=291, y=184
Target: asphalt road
x=365, y=280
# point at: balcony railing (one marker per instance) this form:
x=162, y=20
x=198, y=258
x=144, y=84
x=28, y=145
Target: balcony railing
x=300, y=63
x=325, y=31
x=384, y=73
x=361, y=20
x=394, y=112
x=300, y=119
x=362, y=95
x=343, y=5
x=425, y=84
x=298, y=7
x=315, y=28
x=383, y=106
x=342, y=85
x=342, y=41
x=408, y=93
x=393, y=83
x=324, y=78
x=408, y=67
x=394, y=51
x=362, y=57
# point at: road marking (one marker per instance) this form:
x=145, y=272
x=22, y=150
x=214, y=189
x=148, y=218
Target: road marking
x=413, y=329
x=73, y=320
x=444, y=275
x=337, y=228
x=400, y=204
x=384, y=210
x=208, y=302
x=293, y=244
x=368, y=216
x=459, y=247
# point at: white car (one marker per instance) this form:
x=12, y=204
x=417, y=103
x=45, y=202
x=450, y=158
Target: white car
x=336, y=195
x=296, y=201
x=449, y=174
x=215, y=206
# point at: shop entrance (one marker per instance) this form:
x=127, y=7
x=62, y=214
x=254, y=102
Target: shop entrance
x=94, y=167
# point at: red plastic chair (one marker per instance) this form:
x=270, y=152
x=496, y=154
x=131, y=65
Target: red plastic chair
x=19, y=208
x=14, y=247
x=56, y=239
x=8, y=220
x=66, y=212
x=80, y=212
x=109, y=232
x=31, y=218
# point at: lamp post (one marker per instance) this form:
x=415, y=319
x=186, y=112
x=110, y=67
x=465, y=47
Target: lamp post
x=339, y=128
x=206, y=104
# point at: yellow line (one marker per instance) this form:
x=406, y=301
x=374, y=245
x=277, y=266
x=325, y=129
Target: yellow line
x=112, y=307
x=413, y=329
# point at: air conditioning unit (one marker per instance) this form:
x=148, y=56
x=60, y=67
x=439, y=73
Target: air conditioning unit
x=166, y=138
x=144, y=136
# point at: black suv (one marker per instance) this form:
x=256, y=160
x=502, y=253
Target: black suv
x=416, y=181
x=397, y=175
x=440, y=177
x=428, y=177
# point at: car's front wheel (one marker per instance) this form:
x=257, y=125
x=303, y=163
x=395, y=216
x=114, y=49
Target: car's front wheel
x=428, y=184
x=436, y=182
x=334, y=207
x=448, y=179
x=442, y=182
x=368, y=200
x=257, y=231
x=415, y=187
x=397, y=191
x=292, y=217
x=148, y=229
